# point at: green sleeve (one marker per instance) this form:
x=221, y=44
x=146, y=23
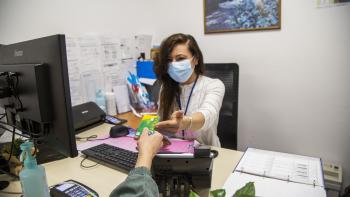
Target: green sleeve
x=138, y=183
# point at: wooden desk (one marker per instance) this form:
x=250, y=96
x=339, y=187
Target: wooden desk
x=103, y=179
x=133, y=121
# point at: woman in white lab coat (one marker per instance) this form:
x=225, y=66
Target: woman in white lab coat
x=189, y=102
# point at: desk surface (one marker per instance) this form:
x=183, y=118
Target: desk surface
x=103, y=179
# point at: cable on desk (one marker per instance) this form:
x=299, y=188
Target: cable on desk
x=82, y=165
x=2, y=123
x=90, y=138
x=2, y=127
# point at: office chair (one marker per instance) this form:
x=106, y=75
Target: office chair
x=228, y=73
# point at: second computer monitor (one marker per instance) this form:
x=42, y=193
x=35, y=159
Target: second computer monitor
x=34, y=83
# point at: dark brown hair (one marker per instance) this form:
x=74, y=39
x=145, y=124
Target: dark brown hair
x=171, y=88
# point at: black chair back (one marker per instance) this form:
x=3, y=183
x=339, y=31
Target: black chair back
x=228, y=73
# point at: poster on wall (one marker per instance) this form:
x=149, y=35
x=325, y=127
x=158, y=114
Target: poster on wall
x=331, y=3
x=98, y=63
x=241, y=15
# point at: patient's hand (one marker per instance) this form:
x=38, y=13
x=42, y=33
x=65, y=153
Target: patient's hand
x=175, y=124
x=148, y=146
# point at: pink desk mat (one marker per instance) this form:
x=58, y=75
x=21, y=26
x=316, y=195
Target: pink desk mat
x=129, y=143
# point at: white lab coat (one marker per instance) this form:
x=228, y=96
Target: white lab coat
x=206, y=98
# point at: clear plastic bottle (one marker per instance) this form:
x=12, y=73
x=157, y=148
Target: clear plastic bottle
x=100, y=99
x=33, y=176
x=110, y=102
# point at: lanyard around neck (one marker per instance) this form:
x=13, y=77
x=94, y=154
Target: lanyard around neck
x=189, y=97
x=188, y=103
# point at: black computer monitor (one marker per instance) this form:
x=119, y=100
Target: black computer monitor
x=34, y=90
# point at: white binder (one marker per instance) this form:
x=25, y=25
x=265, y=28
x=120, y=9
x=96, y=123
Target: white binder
x=277, y=174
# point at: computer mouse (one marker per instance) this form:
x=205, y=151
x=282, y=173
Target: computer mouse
x=118, y=131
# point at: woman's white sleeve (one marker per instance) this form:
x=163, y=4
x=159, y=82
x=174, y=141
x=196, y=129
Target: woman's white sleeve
x=210, y=108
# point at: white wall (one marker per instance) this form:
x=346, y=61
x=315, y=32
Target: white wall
x=21, y=20
x=294, y=83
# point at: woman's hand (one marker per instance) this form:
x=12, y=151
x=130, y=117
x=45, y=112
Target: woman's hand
x=177, y=123
x=148, y=146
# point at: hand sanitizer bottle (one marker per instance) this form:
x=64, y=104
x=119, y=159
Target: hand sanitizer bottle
x=32, y=177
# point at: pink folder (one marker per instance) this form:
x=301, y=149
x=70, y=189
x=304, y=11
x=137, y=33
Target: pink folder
x=129, y=143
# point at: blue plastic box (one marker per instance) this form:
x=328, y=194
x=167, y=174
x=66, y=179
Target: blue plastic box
x=144, y=69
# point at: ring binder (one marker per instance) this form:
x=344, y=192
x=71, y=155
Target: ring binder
x=283, y=171
x=242, y=169
x=282, y=166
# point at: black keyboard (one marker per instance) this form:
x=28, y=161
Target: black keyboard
x=112, y=156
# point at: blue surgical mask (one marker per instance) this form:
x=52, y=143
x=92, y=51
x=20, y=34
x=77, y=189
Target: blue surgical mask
x=180, y=71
